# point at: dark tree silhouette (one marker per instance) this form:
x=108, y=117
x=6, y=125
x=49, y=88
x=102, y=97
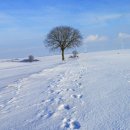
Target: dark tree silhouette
x=63, y=37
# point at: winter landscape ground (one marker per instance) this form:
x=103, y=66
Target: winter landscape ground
x=88, y=93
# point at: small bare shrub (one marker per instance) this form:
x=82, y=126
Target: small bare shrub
x=75, y=54
x=31, y=58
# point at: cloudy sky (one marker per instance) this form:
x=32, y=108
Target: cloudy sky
x=104, y=24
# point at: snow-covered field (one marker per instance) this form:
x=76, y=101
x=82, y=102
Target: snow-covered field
x=89, y=93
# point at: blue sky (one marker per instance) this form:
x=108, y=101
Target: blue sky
x=104, y=24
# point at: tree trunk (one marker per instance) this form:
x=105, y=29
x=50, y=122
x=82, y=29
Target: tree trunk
x=63, y=58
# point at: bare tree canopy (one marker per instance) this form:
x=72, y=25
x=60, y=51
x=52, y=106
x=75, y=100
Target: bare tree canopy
x=63, y=37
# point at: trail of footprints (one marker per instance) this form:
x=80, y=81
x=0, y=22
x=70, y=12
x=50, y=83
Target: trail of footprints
x=52, y=89
x=68, y=123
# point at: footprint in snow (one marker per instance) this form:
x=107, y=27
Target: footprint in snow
x=41, y=115
x=77, y=96
x=80, y=77
x=51, y=100
x=48, y=86
x=51, y=91
x=65, y=123
x=63, y=106
x=69, y=89
x=72, y=124
x=58, y=91
x=48, y=114
x=79, y=84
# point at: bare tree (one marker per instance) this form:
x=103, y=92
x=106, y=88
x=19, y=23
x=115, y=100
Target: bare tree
x=63, y=37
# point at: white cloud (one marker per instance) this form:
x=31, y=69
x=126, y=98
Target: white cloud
x=95, y=38
x=123, y=35
x=109, y=17
x=97, y=18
